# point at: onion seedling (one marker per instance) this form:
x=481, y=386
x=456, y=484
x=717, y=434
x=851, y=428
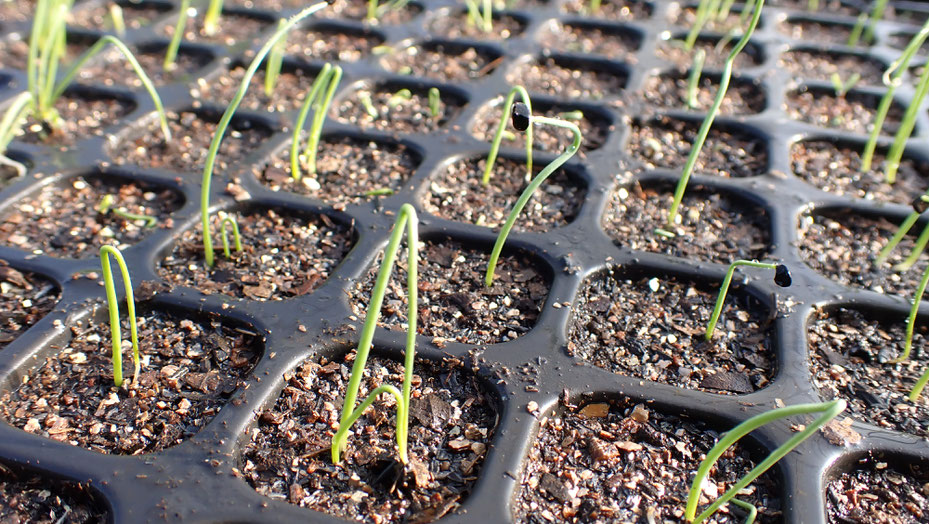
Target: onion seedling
x=829, y=411
x=481, y=16
x=842, y=88
x=704, y=130
x=175, y=44
x=319, y=99
x=435, y=100
x=406, y=218
x=9, y=125
x=895, y=154
x=523, y=119
x=106, y=206
x=706, y=10
x=920, y=205
x=211, y=17
x=226, y=119
x=229, y=221
x=781, y=278
x=507, y=108
x=113, y=305
x=365, y=98
x=693, y=80
x=275, y=61
x=877, y=13
x=375, y=10
x=399, y=97
x=117, y=20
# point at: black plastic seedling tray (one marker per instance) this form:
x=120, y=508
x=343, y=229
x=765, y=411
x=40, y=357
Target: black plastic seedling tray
x=195, y=481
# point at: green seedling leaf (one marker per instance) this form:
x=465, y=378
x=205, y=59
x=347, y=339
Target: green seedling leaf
x=275, y=61
x=435, y=101
x=399, y=97
x=319, y=99
x=507, y=109
x=106, y=206
x=229, y=221
x=179, y=28
x=113, y=305
x=781, y=278
x=211, y=18
x=693, y=80
x=117, y=22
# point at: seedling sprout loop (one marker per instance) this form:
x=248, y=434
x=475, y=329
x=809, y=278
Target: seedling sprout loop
x=113, y=305
x=106, y=206
x=319, y=99
x=228, y=222
x=781, y=278
x=498, y=136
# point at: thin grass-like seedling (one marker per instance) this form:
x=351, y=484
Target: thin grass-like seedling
x=401, y=96
x=9, y=125
x=179, y=28
x=406, y=218
x=877, y=13
x=117, y=20
x=706, y=10
x=523, y=119
x=895, y=155
x=226, y=119
x=106, y=206
x=275, y=62
x=229, y=222
x=724, y=80
x=435, y=101
x=693, y=80
x=211, y=17
x=319, y=99
x=781, y=278
x=920, y=205
x=375, y=10
x=498, y=136
x=829, y=411
x=113, y=305
x=365, y=98
x=855, y=35
x=480, y=15
x=842, y=88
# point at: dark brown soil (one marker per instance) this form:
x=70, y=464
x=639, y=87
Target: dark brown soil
x=817, y=32
x=321, y=45
x=666, y=143
x=636, y=336
x=713, y=227
x=837, y=169
x=289, y=92
x=457, y=25
x=135, y=15
x=189, y=371
x=673, y=51
x=233, y=30
x=24, y=299
x=454, y=65
x=547, y=77
x=842, y=246
x=610, y=9
x=16, y=10
x=588, y=40
x=544, y=138
x=612, y=462
x=454, y=304
x=191, y=136
x=849, y=354
x=282, y=256
x=687, y=16
x=877, y=493
x=375, y=167
x=62, y=220
x=818, y=65
x=396, y=113
x=452, y=422
x=669, y=91
x=31, y=498
x=460, y=195
x=853, y=112
x=80, y=116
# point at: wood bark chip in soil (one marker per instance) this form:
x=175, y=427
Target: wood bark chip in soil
x=836, y=168
x=853, y=112
x=24, y=299
x=819, y=65
x=456, y=64
x=606, y=41
x=293, y=84
x=452, y=422
x=234, y=29
x=666, y=143
x=546, y=76
x=32, y=498
x=282, y=256
x=624, y=10
x=458, y=194
x=656, y=332
x=713, y=227
x=849, y=359
x=621, y=462
x=669, y=91
x=454, y=303
x=673, y=51
x=593, y=126
x=62, y=220
x=458, y=25
x=395, y=113
x=189, y=371
x=879, y=492
x=843, y=246
x=135, y=15
x=324, y=44
x=347, y=170
x=81, y=115
x=191, y=134
x=818, y=32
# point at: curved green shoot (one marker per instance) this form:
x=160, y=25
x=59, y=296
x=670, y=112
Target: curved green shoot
x=210, y=162
x=399, y=97
x=229, y=222
x=113, y=305
x=179, y=28
x=911, y=319
x=10, y=125
x=117, y=20
x=407, y=218
x=531, y=188
x=706, y=10
x=211, y=18
x=750, y=508
x=435, y=101
x=365, y=98
x=917, y=250
x=498, y=136
x=724, y=79
x=480, y=16
x=693, y=80
x=895, y=154
x=920, y=204
x=275, y=62
x=319, y=99
x=829, y=411
x=106, y=206
x=920, y=385
x=781, y=278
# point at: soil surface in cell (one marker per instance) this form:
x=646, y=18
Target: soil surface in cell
x=686, y=17
x=610, y=9
x=354, y=10
x=189, y=371
x=458, y=25
x=452, y=421
x=837, y=169
x=24, y=299
x=877, y=492
x=112, y=69
x=667, y=143
x=282, y=256
x=853, y=112
x=63, y=220
x=460, y=195
x=674, y=51
x=324, y=45
x=816, y=65
x=594, y=129
x=621, y=462
x=850, y=354
x=590, y=40
x=670, y=91
x=32, y=498
x=100, y=18
x=398, y=111
x=712, y=227
x=656, y=332
x=550, y=78
x=817, y=32
x=232, y=30
x=454, y=303
x=348, y=171
x=452, y=65
x=844, y=246
x=289, y=92
x=79, y=117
